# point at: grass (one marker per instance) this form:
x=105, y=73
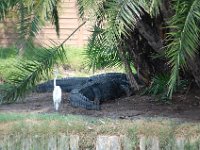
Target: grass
x=88, y=128
x=75, y=58
x=8, y=57
x=48, y=123
x=75, y=62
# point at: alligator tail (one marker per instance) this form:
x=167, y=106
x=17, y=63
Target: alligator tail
x=78, y=100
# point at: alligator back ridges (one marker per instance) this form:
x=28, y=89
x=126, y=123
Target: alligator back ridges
x=68, y=84
x=106, y=76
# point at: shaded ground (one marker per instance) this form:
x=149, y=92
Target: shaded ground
x=185, y=107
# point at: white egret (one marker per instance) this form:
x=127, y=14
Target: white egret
x=57, y=92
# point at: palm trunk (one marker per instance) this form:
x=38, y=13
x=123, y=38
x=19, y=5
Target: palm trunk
x=194, y=67
x=151, y=35
x=141, y=52
x=128, y=70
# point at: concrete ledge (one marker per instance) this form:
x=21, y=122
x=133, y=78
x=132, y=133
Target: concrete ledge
x=103, y=142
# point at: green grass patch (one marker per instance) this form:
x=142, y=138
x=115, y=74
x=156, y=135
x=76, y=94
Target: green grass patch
x=75, y=61
x=7, y=68
x=75, y=58
x=8, y=58
x=6, y=117
x=88, y=128
x=8, y=52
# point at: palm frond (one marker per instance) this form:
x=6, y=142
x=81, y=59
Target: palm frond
x=158, y=87
x=84, y=5
x=5, y=6
x=44, y=10
x=184, y=37
x=84, y=8
x=29, y=26
x=54, y=14
x=81, y=9
x=154, y=8
x=114, y=20
x=47, y=10
x=31, y=14
x=125, y=15
x=29, y=73
x=3, y=9
x=98, y=54
x=98, y=58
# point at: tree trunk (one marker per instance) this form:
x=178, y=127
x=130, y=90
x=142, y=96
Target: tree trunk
x=141, y=54
x=194, y=67
x=128, y=70
x=149, y=31
x=151, y=35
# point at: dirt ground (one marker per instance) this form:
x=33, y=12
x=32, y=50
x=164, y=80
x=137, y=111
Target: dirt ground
x=184, y=107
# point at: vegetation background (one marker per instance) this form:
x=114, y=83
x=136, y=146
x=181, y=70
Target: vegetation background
x=157, y=38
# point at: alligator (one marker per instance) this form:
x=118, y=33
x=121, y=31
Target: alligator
x=90, y=92
x=107, y=76
x=68, y=84
x=93, y=93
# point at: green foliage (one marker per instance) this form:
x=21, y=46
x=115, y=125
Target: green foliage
x=183, y=38
x=8, y=52
x=6, y=117
x=75, y=58
x=159, y=86
x=7, y=61
x=113, y=19
x=30, y=72
x=132, y=134
x=154, y=7
x=98, y=58
x=31, y=15
x=5, y=5
x=7, y=68
x=192, y=145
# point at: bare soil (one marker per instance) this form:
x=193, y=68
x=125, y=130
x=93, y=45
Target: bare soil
x=184, y=106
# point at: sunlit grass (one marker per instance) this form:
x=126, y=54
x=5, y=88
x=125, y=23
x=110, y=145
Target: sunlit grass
x=75, y=58
x=7, y=67
x=75, y=62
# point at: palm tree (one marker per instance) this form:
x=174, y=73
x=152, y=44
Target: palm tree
x=126, y=29
x=156, y=36
x=183, y=47
x=159, y=36
x=30, y=16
